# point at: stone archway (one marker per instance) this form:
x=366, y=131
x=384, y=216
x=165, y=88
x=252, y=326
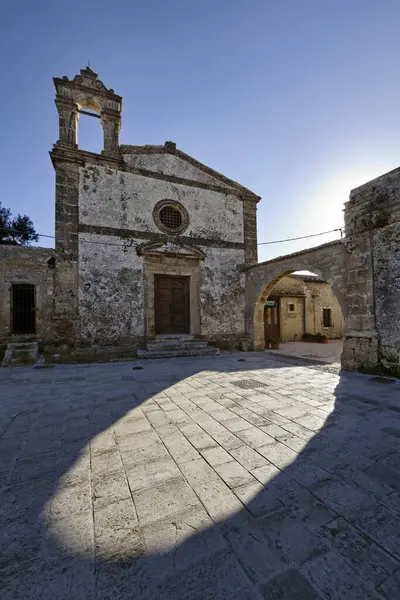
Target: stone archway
x=327, y=261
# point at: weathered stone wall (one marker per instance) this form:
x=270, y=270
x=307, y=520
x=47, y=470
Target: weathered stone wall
x=123, y=200
x=372, y=220
x=222, y=296
x=168, y=164
x=19, y=264
x=320, y=296
x=115, y=297
x=291, y=322
x=111, y=292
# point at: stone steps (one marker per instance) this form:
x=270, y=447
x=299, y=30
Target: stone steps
x=18, y=354
x=174, y=346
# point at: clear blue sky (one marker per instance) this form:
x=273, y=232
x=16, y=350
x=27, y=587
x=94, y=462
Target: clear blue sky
x=298, y=100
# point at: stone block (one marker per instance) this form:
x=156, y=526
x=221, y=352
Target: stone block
x=201, y=441
x=158, y=502
x=218, y=499
x=334, y=578
x=289, y=585
x=248, y=458
x=116, y=532
x=137, y=440
x=237, y=424
x=258, y=500
x=70, y=500
x=132, y=426
x=151, y=473
x=107, y=462
x=366, y=557
x=227, y=440
x=255, y=437
x=378, y=522
x=136, y=456
x=216, y=456
x=278, y=454
x=218, y=576
x=391, y=587
x=110, y=488
x=234, y=474
x=69, y=538
x=198, y=472
x=179, y=447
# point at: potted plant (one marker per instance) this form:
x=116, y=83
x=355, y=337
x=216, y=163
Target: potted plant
x=275, y=343
x=268, y=343
x=317, y=338
x=321, y=338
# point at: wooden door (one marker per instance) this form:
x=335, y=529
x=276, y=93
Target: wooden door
x=271, y=318
x=172, y=315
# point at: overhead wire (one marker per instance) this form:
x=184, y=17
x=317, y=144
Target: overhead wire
x=302, y=237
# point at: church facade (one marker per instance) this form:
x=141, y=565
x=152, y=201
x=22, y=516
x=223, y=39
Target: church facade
x=149, y=241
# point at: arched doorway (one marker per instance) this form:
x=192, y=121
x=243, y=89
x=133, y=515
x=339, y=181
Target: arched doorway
x=303, y=314
x=327, y=262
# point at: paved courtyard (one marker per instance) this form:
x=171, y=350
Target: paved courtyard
x=240, y=477
x=326, y=353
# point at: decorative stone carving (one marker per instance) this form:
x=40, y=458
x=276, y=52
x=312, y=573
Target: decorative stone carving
x=170, y=248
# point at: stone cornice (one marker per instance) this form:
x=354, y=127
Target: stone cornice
x=61, y=153
x=157, y=237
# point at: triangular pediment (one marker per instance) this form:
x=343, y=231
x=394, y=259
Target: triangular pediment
x=167, y=160
x=170, y=249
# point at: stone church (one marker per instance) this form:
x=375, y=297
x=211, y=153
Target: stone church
x=157, y=253
x=148, y=241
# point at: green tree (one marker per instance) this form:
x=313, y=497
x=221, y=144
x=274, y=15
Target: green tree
x=17, y=231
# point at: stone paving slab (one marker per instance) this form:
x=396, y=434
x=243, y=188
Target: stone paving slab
x=172, y=481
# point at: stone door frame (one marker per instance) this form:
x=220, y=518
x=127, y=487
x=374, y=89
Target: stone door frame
x=173, y=265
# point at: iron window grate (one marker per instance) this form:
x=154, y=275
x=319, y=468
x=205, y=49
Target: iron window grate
x=249, y=384
x=171, y=217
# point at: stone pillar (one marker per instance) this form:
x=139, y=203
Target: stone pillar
x=250, y=231
x=111, y=122
x=68, y=119
x=360, y=346
x=372, y=218
x=65, y=315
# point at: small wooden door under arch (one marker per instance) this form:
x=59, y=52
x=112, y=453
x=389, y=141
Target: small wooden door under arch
x=271, y=318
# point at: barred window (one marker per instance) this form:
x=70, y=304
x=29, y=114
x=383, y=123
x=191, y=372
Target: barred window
x=171, y=218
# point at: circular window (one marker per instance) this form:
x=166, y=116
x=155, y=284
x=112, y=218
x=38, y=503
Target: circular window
x=170, y=216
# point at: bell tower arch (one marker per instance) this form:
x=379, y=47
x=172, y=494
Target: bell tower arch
x=86, y=91
x=83, y=96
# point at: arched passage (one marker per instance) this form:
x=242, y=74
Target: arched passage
x=326, y=261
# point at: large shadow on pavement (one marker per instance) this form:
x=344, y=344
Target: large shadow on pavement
x=310, y=510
